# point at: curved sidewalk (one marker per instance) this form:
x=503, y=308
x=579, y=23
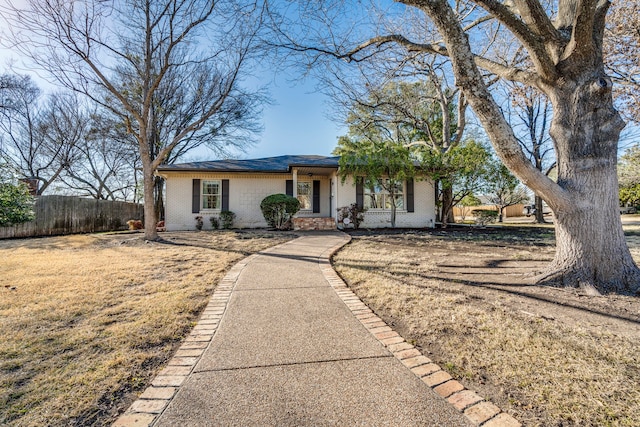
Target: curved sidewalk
x=283, y=342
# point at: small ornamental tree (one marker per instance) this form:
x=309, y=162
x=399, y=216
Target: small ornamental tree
x=485, y=216
x=16, y=204
x=630, y=196
x=278, y=209
x=504, y=188
x=460, y=171
x=382, y=163
x=466, y=205
x=629, y=176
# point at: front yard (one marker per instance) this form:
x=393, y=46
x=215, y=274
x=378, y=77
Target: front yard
x=87, y=320
x=550, y=357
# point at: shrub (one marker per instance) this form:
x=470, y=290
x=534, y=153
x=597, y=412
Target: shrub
x=484, y=216
x=226, y=218
x=135, y=224
x=16, y=204
x=353, y=213
x=278, y=209
x=199, y=222
x=215, y=222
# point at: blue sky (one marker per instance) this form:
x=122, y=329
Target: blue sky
x=295, y=122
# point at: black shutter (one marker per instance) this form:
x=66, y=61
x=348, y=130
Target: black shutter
x=195, y=193
x=410, y=207
x=316, y=196
x=225, y=194
x=359, y=193
x=289, y=189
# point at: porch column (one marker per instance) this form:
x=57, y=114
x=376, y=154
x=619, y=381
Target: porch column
x=295, y=182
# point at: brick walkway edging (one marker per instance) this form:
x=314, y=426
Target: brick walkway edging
x=154, y=400
x=475, y=408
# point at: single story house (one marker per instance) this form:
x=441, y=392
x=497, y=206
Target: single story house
x=207, y=188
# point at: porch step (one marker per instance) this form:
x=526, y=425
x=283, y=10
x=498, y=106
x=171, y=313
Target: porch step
x=314, y=224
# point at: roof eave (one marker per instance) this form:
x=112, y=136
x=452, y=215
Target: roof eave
x=219, y=170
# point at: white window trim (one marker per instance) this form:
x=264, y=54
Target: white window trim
x=202, y=195
x=398, y=209
x=310, y=208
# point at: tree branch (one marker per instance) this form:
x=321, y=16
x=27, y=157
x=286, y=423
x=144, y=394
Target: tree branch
x=583, y=25
x=535, y=17
x=530, y=39
x=510, y=73
x=470, y=79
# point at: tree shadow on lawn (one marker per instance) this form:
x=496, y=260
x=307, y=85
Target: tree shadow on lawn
x=206, y=240
x=507, y=287
x=200, y=245
x=499, y=239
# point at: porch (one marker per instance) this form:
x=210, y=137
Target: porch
x=314, y=223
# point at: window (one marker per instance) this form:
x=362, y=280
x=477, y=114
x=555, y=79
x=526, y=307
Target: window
x=377, y=194
x=211, y=194
x=305, y=195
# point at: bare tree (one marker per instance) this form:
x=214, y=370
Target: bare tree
x=128, y=49
x=444, y=134
x=622, y=62
x=530, y=115
x=433, y=117
x=568, y=67
x=566, y=63
x=425, y=101
x=107, y=161
x=176, y=101
x=39, y=138
x=429, y=118
x=504, y=189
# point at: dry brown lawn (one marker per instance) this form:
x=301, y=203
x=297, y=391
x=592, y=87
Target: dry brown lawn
x=550, y=357
x=87, y=320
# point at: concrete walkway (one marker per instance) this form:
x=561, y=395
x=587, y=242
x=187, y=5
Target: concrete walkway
x=285, y=343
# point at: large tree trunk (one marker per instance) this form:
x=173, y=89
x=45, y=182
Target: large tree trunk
x=393, y=215
x=539, y=216
x=447, y=207
x=150, y=219
x=437, y=202
x=591, y=251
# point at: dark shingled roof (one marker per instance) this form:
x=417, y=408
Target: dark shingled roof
x=280, y=164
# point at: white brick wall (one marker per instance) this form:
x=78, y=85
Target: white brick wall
x=424, y=204
x=246, y=191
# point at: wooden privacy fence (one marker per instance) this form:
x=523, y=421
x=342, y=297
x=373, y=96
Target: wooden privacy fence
x=68, y=215
x=509, y=211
